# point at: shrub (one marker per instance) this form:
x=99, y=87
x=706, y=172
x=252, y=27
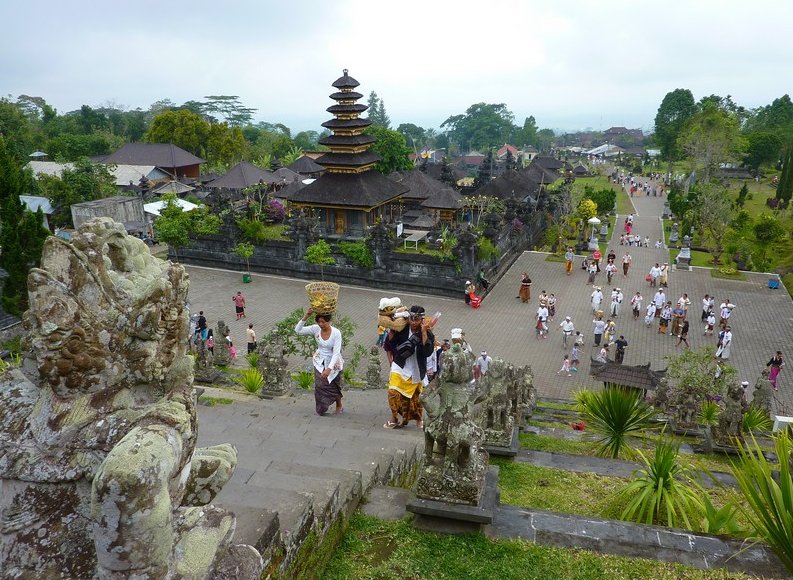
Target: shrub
x=252, y=230
x=662, y=490
x=358, y=252
x=251, y=380
x=485, y=250
x=304, y=379
x=769, y=500
x=319, y=253
x=275, y=211
x=615, y=413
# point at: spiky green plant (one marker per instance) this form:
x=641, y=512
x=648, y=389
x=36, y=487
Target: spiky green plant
x=717, y=519
x=662, y=491
x=708, y=417
x=769, y=501
x=614, y=414
x=253, y=359
x=251, y=380
x=304, y=379
x=756, y=419
x=581, y=398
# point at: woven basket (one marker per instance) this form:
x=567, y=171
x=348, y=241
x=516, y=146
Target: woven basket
x=323, y=296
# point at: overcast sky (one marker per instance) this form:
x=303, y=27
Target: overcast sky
x=571, y=64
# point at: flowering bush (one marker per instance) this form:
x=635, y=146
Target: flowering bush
x=276, y=213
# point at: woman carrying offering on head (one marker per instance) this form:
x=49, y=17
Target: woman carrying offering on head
x=327, y=360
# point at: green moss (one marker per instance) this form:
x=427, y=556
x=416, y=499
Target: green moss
x=212, y=401
x=13, y=345
x=317, y=551
x=725, y=274
x=407, y=478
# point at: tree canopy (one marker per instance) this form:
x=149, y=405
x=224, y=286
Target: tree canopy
x=673, y=114
x=391, y=147
x=482, y=126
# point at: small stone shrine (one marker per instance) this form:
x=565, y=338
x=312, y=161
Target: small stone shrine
x=763, y=395
x=674, y=235
x=374, y=369
x=683, y=259
x=497, y=419
x=222, y=357
x=730, y=424
x=451, y=483
x=273, y=364
x=522, y=395
x=101, y=476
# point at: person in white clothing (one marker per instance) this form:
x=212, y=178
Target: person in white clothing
x=659, y=300
x=484, y=362
x=568, y=328
x=616, y=302
x=636, y=304
x=597, y=299
x=327, y=361
x=655, y=273
x=649, y=314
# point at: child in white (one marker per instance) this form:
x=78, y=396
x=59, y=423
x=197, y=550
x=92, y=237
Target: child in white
x=565, y=366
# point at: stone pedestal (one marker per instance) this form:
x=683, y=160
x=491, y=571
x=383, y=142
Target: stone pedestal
x=683, y=260
x=604, y=232
x=449, y=518
x=505, y=451
x=593, y=244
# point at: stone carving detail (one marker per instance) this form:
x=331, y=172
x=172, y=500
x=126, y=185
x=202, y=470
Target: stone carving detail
x=380, y=243
x=521, y=392
x=303, y=231
x=273, y=364
x=222, y=357
x=497, y=418
x=454, y=464
x=763, y=394
x=100, y=472
x=374, y=370
x=731, y=417
x=465, y=250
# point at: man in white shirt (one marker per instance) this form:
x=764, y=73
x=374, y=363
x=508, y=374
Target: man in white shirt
x=705, y=307
x=542, y=319
x=597, y=299
x=725, y=311
x=655, y=272
x=659, y=300
x=626, y=263
x=636, y=305
x=616, y=301
x=568, y=328
x=484, y=362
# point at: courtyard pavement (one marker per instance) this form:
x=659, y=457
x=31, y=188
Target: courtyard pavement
x=762, y=321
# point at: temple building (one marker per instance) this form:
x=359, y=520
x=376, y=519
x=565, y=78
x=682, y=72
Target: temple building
x=350, y=195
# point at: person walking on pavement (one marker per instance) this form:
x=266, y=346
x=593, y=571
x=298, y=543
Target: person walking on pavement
x=626, y=263
x=251, y=338
x=596, y=255
x=239, y=304
x=542, y=318
x=616, y=302
x=649, y=314
x=482, y=281
x=621, y=345
x=565, y=367
x=654, y=274
x=710, y=322
x=525, y=288
x=705, y=307
x=664, y=318
x=569, y=256
x=592, y=271
x=551, y=302
x=775, y=365
x=725, y=311
x=636, y=304
x=664, y=277
x=598, y=328
x=683, y=336
x=659, y=300
x=568, y=328
x=597, y=299
x=611, y=269
x=575, y=356
x=723, y=352
x=483, y=362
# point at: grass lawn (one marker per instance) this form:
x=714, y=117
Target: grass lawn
x=376, y=549
x=624, y=204
x=275, y=232
x=422, y=249
x=698, y=258
x=586, y=494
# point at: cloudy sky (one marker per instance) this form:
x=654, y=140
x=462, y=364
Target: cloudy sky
x=571, y=64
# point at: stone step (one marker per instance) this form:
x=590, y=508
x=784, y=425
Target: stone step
x=350, y=483
x=326, y=499
x=295, y=514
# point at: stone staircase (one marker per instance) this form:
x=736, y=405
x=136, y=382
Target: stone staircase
x=299, y=476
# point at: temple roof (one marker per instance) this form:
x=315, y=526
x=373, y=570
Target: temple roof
x=345, y=81
x=639, y=377
x=242, y=175
x=423, y=187
x=368, y=189
x=349, y=159
x=347, y=140
x=158, y=154
x=306, y=165
x=335, y=124
x=356, y=108
x=445, y=198
x=346, y=96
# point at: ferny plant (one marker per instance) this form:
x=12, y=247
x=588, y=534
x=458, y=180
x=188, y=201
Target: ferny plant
x=251, y=380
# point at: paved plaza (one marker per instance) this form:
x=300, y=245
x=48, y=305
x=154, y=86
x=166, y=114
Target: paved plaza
x=762, y=321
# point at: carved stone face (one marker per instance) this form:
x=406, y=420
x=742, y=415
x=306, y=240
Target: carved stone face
x=456, y=366
x=104, y=313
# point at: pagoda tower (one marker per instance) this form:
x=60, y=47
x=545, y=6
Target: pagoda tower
x=350, y=195
x=349, y=147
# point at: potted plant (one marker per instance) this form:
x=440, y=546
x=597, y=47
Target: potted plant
x=245, y=250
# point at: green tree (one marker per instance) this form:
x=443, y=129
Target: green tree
x=527, y=134
x=483, y=126
x=245, y=250
x=673, y=114
x=307, y=140
x=83, y=181
x=391, y=147
x=175, y=226
x=545, y=139
x=762, y=147
x=225, y=145
x=784, y=189
x=605, y=199
x=22, y=233
x=767, y=231
x=742, y=195
x=711, y=137
x=778, y=116
x=319, y=253
x=183, y=128
x=229, y=108
x=17, y=128
x=413, y=134
x=712, y=215
x=485, y=172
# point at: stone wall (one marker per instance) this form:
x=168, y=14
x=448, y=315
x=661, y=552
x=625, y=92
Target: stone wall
x=405, y=272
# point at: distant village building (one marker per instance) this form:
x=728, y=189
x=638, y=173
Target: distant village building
x=166, y=156
x=350, y=195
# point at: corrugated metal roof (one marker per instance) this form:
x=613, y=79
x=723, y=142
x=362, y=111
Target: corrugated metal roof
x=34, y=202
